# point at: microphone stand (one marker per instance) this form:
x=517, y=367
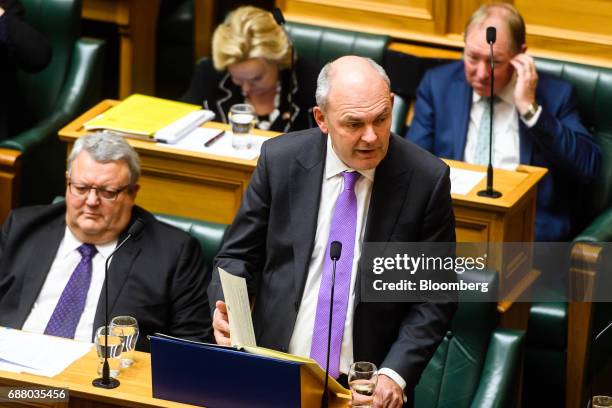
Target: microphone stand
x=489, y=191
x=335, y=255
x=106, y=381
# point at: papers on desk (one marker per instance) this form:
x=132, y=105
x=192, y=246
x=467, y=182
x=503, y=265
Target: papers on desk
x=195, y=140
x=148, y=117
x=463, y=181
x=38, y=354
x=238, y=309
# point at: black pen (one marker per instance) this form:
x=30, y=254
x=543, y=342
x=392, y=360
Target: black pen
x=214, y=139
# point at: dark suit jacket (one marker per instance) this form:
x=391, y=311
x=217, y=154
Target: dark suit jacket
x=158, y=277
x=557, y=141
x=271, y=239
x=216, y=91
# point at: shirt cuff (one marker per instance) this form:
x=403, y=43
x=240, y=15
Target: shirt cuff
x=531, y=122
x=395, y=377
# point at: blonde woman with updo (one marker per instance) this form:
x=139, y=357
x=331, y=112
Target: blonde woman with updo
x=251, y=63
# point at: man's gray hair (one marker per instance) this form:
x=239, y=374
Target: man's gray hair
x=106, y=147
x=325, y=78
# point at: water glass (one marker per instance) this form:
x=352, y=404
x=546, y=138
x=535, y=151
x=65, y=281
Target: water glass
x=242, y=119
x=362, y=379
x=602, y=401
x=127, y=327
x=113, y=349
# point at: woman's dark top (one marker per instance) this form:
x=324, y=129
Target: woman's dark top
x=215, y=90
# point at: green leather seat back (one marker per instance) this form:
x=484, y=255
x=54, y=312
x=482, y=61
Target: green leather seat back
x=594, y=89
x=59, y=21
x=452, y=377
x=209, y=234
x=321, y=44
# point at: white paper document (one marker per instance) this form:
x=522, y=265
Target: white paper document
x=463, y=181
x=238, y=309
x=222, y=146
x=38, y=354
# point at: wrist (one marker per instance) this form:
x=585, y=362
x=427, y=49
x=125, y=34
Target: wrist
x=527, y=112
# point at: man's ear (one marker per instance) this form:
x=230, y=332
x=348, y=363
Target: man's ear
x=319, y=117
x=523, y=48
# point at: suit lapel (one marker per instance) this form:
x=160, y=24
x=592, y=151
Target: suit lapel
x=305, y=195
x=118, y=272
x=39, y=265
x=392, y=177
x=461, y=115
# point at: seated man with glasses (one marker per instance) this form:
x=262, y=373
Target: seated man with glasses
x=52, y=257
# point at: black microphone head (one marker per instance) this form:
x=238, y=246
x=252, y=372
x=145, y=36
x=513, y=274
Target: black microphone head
x=335, y=250
x=491, y=35
x=278, y=16
x=136, y=227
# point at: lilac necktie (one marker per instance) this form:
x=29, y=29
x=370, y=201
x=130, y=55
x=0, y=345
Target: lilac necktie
x=342, y=229
x=69, y=308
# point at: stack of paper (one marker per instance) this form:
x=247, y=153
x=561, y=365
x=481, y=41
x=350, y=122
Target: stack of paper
x=38, y=354
x=141, y=115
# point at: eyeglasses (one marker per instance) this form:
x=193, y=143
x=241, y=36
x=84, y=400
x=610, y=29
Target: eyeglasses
x=82, y=191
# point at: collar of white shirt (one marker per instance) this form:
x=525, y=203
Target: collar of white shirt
x=335, y=166
x=71, y=243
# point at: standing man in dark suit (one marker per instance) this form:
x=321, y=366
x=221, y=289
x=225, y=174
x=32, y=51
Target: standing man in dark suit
x=536, y=121
x=158, y=276
x=351, y=177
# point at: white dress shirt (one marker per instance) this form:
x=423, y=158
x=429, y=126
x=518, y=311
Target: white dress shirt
x=331, y=187
x=506, y=142
x=65, y=262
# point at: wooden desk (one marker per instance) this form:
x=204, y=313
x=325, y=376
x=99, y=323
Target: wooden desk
x=135, y=389
x=136, y=21
x=210, y=187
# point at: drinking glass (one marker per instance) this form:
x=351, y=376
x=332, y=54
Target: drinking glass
x=127, y=327
x=112, y=351
x=362, y=379
x=242, y=119
x=602, y=401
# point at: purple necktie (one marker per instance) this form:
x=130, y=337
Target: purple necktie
x=69, y=308
x=342, y=229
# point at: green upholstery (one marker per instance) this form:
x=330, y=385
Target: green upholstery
x=319, y=45
x=546, y=350
x=477, y=364
x=209, y=234
x=594, y=89
x=53, y=97
x=545, y=355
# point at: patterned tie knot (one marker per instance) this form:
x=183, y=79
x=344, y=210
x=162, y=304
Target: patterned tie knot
x=350, y=178
x=87, y=251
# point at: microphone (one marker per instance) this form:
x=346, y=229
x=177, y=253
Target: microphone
x=280, y=20
x=335, y=250
x=489, y=191
x=106, y=381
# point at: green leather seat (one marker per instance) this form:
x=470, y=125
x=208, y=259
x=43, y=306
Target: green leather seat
x=477, y=364
x=594, y=89
x=55, y=96
x=209, y=234
x=546, y=350
x=320, y=45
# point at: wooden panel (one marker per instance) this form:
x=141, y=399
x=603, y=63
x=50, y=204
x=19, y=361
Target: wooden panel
x=569, y=30
x=10, y=174
x=382, y=17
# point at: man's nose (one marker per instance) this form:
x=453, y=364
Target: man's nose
x=369, y=135
x=483, y=70
x=92, y=197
